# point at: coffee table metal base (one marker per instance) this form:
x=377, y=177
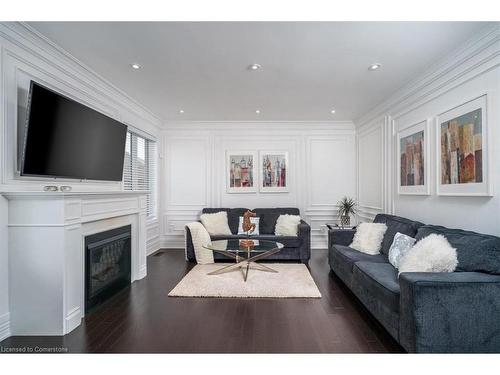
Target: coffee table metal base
x=244, y=263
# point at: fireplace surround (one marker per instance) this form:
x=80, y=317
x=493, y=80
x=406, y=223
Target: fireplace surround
x=47, y=233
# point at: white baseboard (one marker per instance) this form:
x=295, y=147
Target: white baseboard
x=4, y=326
x=73, y=319
x=152, y=245
x=143, y=272
x=172, y=243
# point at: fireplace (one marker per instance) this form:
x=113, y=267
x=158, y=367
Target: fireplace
x=107, y=265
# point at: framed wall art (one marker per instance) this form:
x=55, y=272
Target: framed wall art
x=462, y=150
x=274, y=172
x=241, y=176
x=413, y=165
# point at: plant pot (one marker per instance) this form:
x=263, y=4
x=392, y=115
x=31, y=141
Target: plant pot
x=345, y=221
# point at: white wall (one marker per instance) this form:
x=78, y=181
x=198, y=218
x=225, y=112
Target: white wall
x=321, y=171
x=468, y=73
x=27, y=55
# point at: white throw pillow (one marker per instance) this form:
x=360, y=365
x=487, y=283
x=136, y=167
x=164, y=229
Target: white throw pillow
x=399, y=248
x=431, y=254
x=368, y=238
x=216, y=224
x=287, y=225
x=253, y=220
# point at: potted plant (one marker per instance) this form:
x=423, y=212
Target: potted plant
x=346, y=209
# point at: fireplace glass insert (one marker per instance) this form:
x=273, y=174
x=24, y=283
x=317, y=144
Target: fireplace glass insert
x=107, y=265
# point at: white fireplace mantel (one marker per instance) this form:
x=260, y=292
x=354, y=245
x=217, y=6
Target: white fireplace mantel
x=46, y=253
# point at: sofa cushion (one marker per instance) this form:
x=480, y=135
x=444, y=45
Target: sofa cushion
x=377, y=287
x=476, y=252
x=351, y=256
x=380, y=280
x=269, y=216
x=287, y=241
x=395, y=224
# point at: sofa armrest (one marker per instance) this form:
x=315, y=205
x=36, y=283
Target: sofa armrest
x=304, y=233
x=340, y=237
x=449, y=312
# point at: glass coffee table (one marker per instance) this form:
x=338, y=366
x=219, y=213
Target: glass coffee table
x=244, y=252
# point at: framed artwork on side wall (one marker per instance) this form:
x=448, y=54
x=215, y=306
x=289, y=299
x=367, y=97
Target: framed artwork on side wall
x=462, y=150
x=274, y=172
x=241, y=176
x=413, y=159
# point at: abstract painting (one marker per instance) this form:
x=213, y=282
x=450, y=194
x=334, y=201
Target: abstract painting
x=462, y=150
x=240, y=172
x=413, y=159
x=274, y=171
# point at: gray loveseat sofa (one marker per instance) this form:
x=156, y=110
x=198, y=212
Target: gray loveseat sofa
x=295, y=248
x=427, y=312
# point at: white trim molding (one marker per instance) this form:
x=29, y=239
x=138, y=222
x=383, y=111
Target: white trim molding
x=479, y=53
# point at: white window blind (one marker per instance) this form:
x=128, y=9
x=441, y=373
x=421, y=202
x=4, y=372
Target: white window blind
x=139, y=168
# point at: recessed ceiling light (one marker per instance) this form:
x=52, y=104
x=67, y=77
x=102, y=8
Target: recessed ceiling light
x=374, y=66
x=332, y=111
x=135, y=66
x=181, y=111
x=257, y=111
x=254, y=67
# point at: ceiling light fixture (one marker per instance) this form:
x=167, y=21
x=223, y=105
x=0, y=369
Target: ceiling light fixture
x=181, y=111
x=332, y=111
x=257, y=111
x=135, y=66
x=374, y=66
x=254, y=67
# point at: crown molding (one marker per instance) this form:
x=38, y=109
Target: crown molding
x=484, y=46
x=31, y=40
x=259, y=125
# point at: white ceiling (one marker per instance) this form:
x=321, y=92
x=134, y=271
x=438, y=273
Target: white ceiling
x=308, y=67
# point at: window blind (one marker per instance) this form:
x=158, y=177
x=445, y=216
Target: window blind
x=139, y=168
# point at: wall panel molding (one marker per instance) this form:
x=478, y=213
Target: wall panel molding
x=305, y=172
x=474, y=69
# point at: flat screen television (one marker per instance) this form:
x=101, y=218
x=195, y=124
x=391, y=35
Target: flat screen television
x=67, y=139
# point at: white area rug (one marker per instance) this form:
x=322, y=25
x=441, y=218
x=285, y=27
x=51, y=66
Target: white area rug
x=291, y=281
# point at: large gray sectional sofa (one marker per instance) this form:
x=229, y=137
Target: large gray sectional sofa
x=295, y=248
x=427, y=312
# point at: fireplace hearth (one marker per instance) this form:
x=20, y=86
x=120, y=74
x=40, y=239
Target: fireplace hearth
x=107, y=265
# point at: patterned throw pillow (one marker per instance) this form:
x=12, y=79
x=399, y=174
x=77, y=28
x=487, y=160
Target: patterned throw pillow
x=400, y=246
x=253, y=220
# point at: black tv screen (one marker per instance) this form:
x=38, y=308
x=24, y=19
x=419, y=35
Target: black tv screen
x=70, y=140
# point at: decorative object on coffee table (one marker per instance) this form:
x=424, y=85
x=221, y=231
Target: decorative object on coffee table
x=245, y=254
x=248, y=227
x=346, y=209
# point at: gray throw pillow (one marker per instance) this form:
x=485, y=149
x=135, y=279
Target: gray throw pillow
x=400, y=246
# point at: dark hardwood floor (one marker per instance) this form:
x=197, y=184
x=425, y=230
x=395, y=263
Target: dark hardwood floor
x=143, y=319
